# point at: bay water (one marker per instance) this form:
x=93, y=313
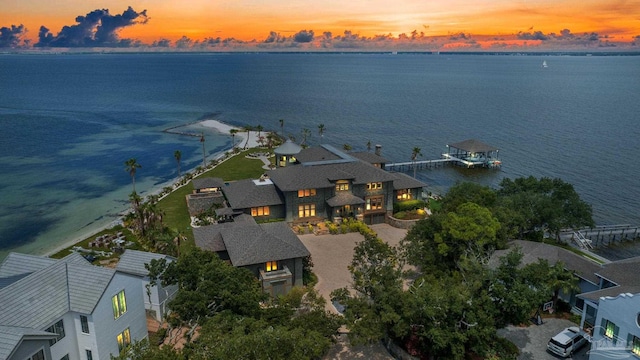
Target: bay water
x=69, y=122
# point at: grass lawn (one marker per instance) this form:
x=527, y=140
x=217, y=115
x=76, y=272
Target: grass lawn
x=174, y=205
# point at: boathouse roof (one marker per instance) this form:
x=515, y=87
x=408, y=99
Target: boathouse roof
x=474, y=146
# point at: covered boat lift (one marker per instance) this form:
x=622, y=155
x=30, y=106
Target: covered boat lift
x=473, y=153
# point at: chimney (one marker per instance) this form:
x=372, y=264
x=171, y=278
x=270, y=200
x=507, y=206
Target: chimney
x=379, y=150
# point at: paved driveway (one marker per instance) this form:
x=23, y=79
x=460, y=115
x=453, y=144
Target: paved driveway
x=532, y=340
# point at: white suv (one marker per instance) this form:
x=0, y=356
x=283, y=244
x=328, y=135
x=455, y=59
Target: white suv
x=567, y=342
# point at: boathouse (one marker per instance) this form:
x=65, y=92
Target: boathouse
x=473, y=153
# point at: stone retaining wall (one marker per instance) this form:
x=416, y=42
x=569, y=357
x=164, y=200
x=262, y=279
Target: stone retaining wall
x=400, y=224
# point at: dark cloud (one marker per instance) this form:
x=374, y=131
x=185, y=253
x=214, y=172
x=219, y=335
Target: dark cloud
x=97, y=28
x=161, y=43
x=274, y=37
x=303, y=36
x=536, y=35
x=10, y=36
x=184, y=42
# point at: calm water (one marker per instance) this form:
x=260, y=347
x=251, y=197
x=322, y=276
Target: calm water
x=70, y=121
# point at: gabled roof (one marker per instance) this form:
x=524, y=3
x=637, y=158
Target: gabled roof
x=624, y=273
x=207, y=182
x=404, y=181
x=249, y=244
x=296, y=177
x=369, y=157
x=474, y=146
x=244, y=194
x=533, y=251
x=132, y=261
x=23, y=264
x=38, y=299
x=343, y=198
x=12, y=336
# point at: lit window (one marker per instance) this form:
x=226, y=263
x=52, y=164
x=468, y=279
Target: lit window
x=610, y=329
x=342, y=185
x=404, y=194
x=306, y=210
x=260, y=211
x=374, y=186
x=119, y=304
x=306, y=192
x=57, y=328
x=84, y=324
x=124, y=339
x=635, y=345
x=272, y=266
x=373, y=204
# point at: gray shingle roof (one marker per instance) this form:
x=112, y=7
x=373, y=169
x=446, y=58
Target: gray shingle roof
x=622, y=272
x=369, y=157
x=11, y=336
x=533, y=251
x=132, y=261
x=249, y=244
x=207, y=182
x=244, y=194
x=45, y=295
x=293, y=178
x=344, y=198
x=316, y=153
x=288, y=148
x=404, y=181
x=20, y=264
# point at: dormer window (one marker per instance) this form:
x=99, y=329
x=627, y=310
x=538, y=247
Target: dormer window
x=374, y=186
x=342, y=185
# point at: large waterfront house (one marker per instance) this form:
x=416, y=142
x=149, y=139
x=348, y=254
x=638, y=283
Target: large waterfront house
x=608, y=300
x=67, y=309
x=317, y=184
x=271, y=251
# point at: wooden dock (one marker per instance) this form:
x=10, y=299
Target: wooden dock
x=601, y=235
x=422, y=164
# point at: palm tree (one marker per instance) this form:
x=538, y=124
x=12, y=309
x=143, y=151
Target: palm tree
x=369, y=145
x=414, y=156
x=204, y=153
x=131, y=166
x=321, y=131
x=305, y=134
x=178, y=155
x=282, y=127
x=248, y=129
x=259, y=129
x=560, y=278
x=233, y=138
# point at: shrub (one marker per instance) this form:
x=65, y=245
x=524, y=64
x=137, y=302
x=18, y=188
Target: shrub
x=333, y=229
x=344, y=228
x=400, y=215
x=408, y=205
x=310, y=228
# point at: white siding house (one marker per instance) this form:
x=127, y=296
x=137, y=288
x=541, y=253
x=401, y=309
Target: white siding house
x=71, y=299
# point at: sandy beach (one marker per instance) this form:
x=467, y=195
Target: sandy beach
x=218, y=126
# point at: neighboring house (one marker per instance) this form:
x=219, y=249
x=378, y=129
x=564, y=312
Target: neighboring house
x=612, y=313
x=206, y=195
x=609, y=302
x=271, y=251
x=583, y=268
x=155, y=297
x=92, y=312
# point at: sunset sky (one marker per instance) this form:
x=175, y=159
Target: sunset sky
x=617, y=20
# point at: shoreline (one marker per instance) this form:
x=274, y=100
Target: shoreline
x=215, y=125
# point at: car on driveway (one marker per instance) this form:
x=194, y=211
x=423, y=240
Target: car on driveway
x=566, y=342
